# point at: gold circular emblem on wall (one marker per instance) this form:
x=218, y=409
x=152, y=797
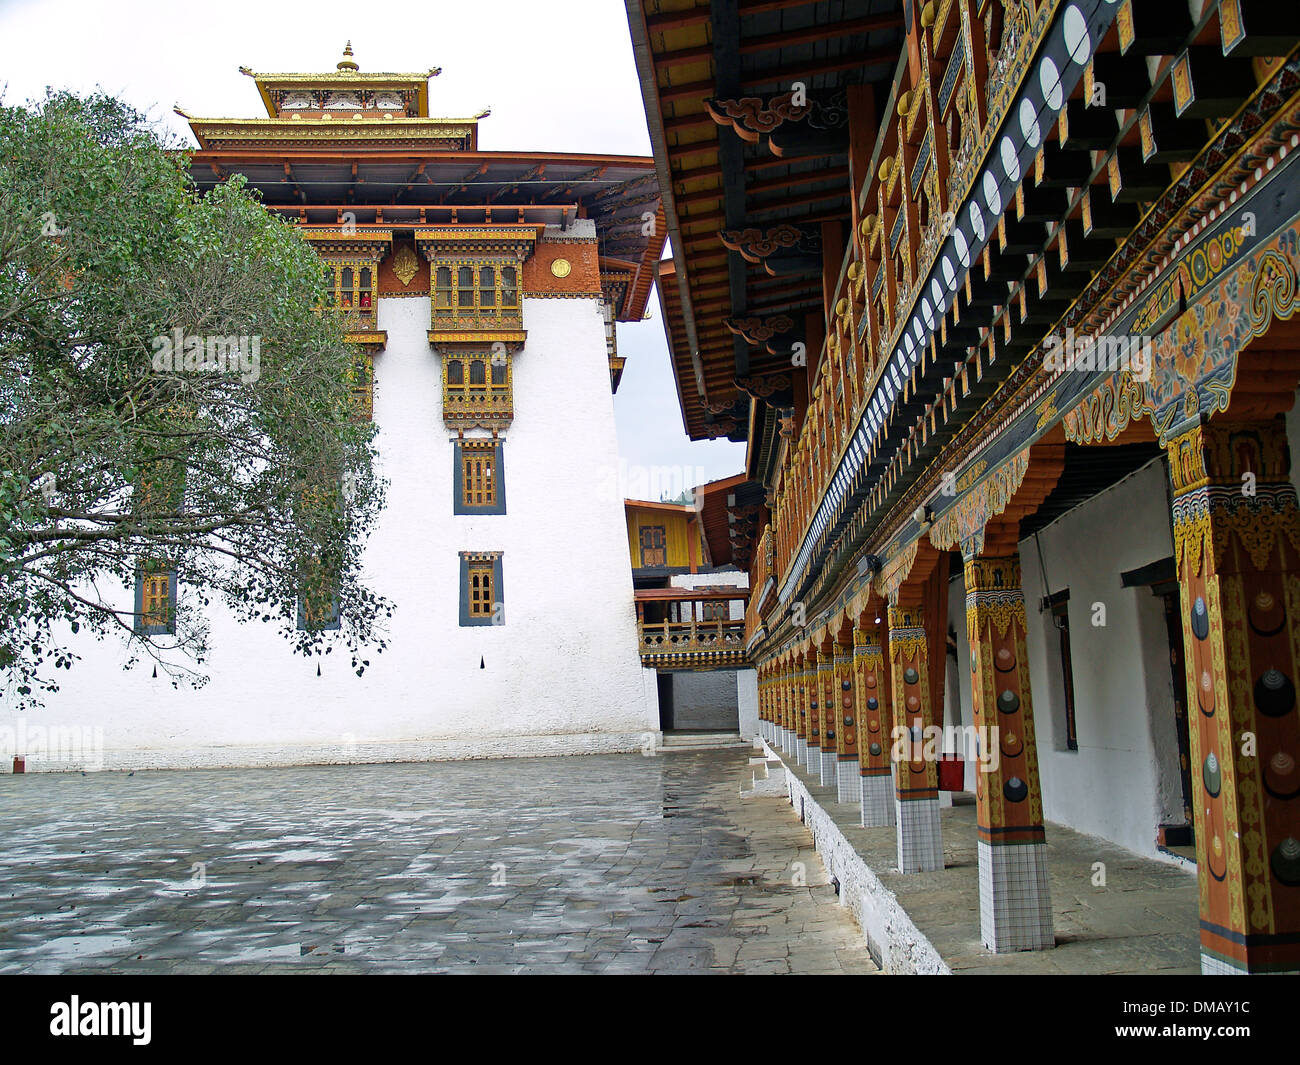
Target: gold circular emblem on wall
x=561, y=267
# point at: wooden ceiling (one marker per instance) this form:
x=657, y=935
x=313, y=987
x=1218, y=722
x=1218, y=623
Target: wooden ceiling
x=695, y=59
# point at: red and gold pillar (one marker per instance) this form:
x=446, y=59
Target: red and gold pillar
x=801, y=710
x=1015, y=904
x=826, y=701
x=785, y=731
x=847, y=780
x=814, y=704
x=1237, y=548
x=871, y=681
x=916, y=784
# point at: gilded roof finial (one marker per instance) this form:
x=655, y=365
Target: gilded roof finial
x=346, y=62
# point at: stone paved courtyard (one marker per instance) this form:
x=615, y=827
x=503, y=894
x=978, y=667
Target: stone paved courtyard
x=587, y=864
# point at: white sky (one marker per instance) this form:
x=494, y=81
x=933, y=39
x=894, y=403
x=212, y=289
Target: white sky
x=559, y=75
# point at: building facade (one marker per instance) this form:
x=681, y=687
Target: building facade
x=481, y=289
x=690, y=607
x=1001, y=295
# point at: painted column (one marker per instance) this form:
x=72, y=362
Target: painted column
x=813, y=674
x=1237, y=548
x=791, y=710
x=916, y=792
x=871, y=680
x=826, y=714
x=783, y=700
x=801, y=714
x=779, y=708
x=848, y=784
x=1015, y=904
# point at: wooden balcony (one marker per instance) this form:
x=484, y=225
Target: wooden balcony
x=506, y=327
x=360, y=324
x=680, y=629
x=488, y=408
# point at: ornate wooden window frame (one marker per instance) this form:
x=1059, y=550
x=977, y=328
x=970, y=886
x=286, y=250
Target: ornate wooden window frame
x=466, y=451
x=363, y=387
x=662, y=547
x=147, y=576
x=483, y=563
x=467, y=404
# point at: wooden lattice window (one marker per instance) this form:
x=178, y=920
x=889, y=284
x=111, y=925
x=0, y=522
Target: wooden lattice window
x=319, y=613
x=155, y=595
x=654, y=545
x=471, y=289
x=509, y=290
x=715, y=610
x=478, y=474
x=480, y=590
x=480, y=374
x=465, y=288
x=318, y=604
x=442, y=293
x=363, y=387
x=481, y=600
x=353, y=293
x=479, y=477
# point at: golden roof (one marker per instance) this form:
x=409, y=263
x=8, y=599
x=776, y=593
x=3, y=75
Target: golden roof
x=346, y=76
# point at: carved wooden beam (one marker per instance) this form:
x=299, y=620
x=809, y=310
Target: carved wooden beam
x=814, y=125
x=758, y=331
x=749, y=117
x=783, y=249
x=765, y=387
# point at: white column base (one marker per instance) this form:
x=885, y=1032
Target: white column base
x=829, y=764
x=1015, y=903
x=878, y=802
x=920, y=846
x=847, y=776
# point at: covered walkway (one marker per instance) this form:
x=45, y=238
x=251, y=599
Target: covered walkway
x=1142, y=920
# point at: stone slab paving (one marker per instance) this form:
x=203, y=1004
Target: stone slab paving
x=608, y=864
x=1143, y=920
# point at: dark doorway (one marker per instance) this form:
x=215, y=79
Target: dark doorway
x=665, y=701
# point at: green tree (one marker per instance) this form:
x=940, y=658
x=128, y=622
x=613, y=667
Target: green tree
x=239, y=468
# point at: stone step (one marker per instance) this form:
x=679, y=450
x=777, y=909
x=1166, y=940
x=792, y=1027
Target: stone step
x=701, y=741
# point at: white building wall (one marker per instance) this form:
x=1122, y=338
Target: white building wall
x=1110, y=786
x=562, y=675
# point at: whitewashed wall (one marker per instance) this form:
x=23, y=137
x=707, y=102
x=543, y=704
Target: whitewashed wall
x=562, y=675
x=1122, y=781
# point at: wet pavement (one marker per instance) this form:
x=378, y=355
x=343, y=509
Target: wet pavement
x=613, y=863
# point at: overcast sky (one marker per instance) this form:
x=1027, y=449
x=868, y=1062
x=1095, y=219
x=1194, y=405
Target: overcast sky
x=558, y=75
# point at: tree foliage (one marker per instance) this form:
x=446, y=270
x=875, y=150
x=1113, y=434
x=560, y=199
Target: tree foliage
x=252, y=482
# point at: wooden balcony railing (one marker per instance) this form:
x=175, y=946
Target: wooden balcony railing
x=358, y=319
x=478, y=406
x=686, y=639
